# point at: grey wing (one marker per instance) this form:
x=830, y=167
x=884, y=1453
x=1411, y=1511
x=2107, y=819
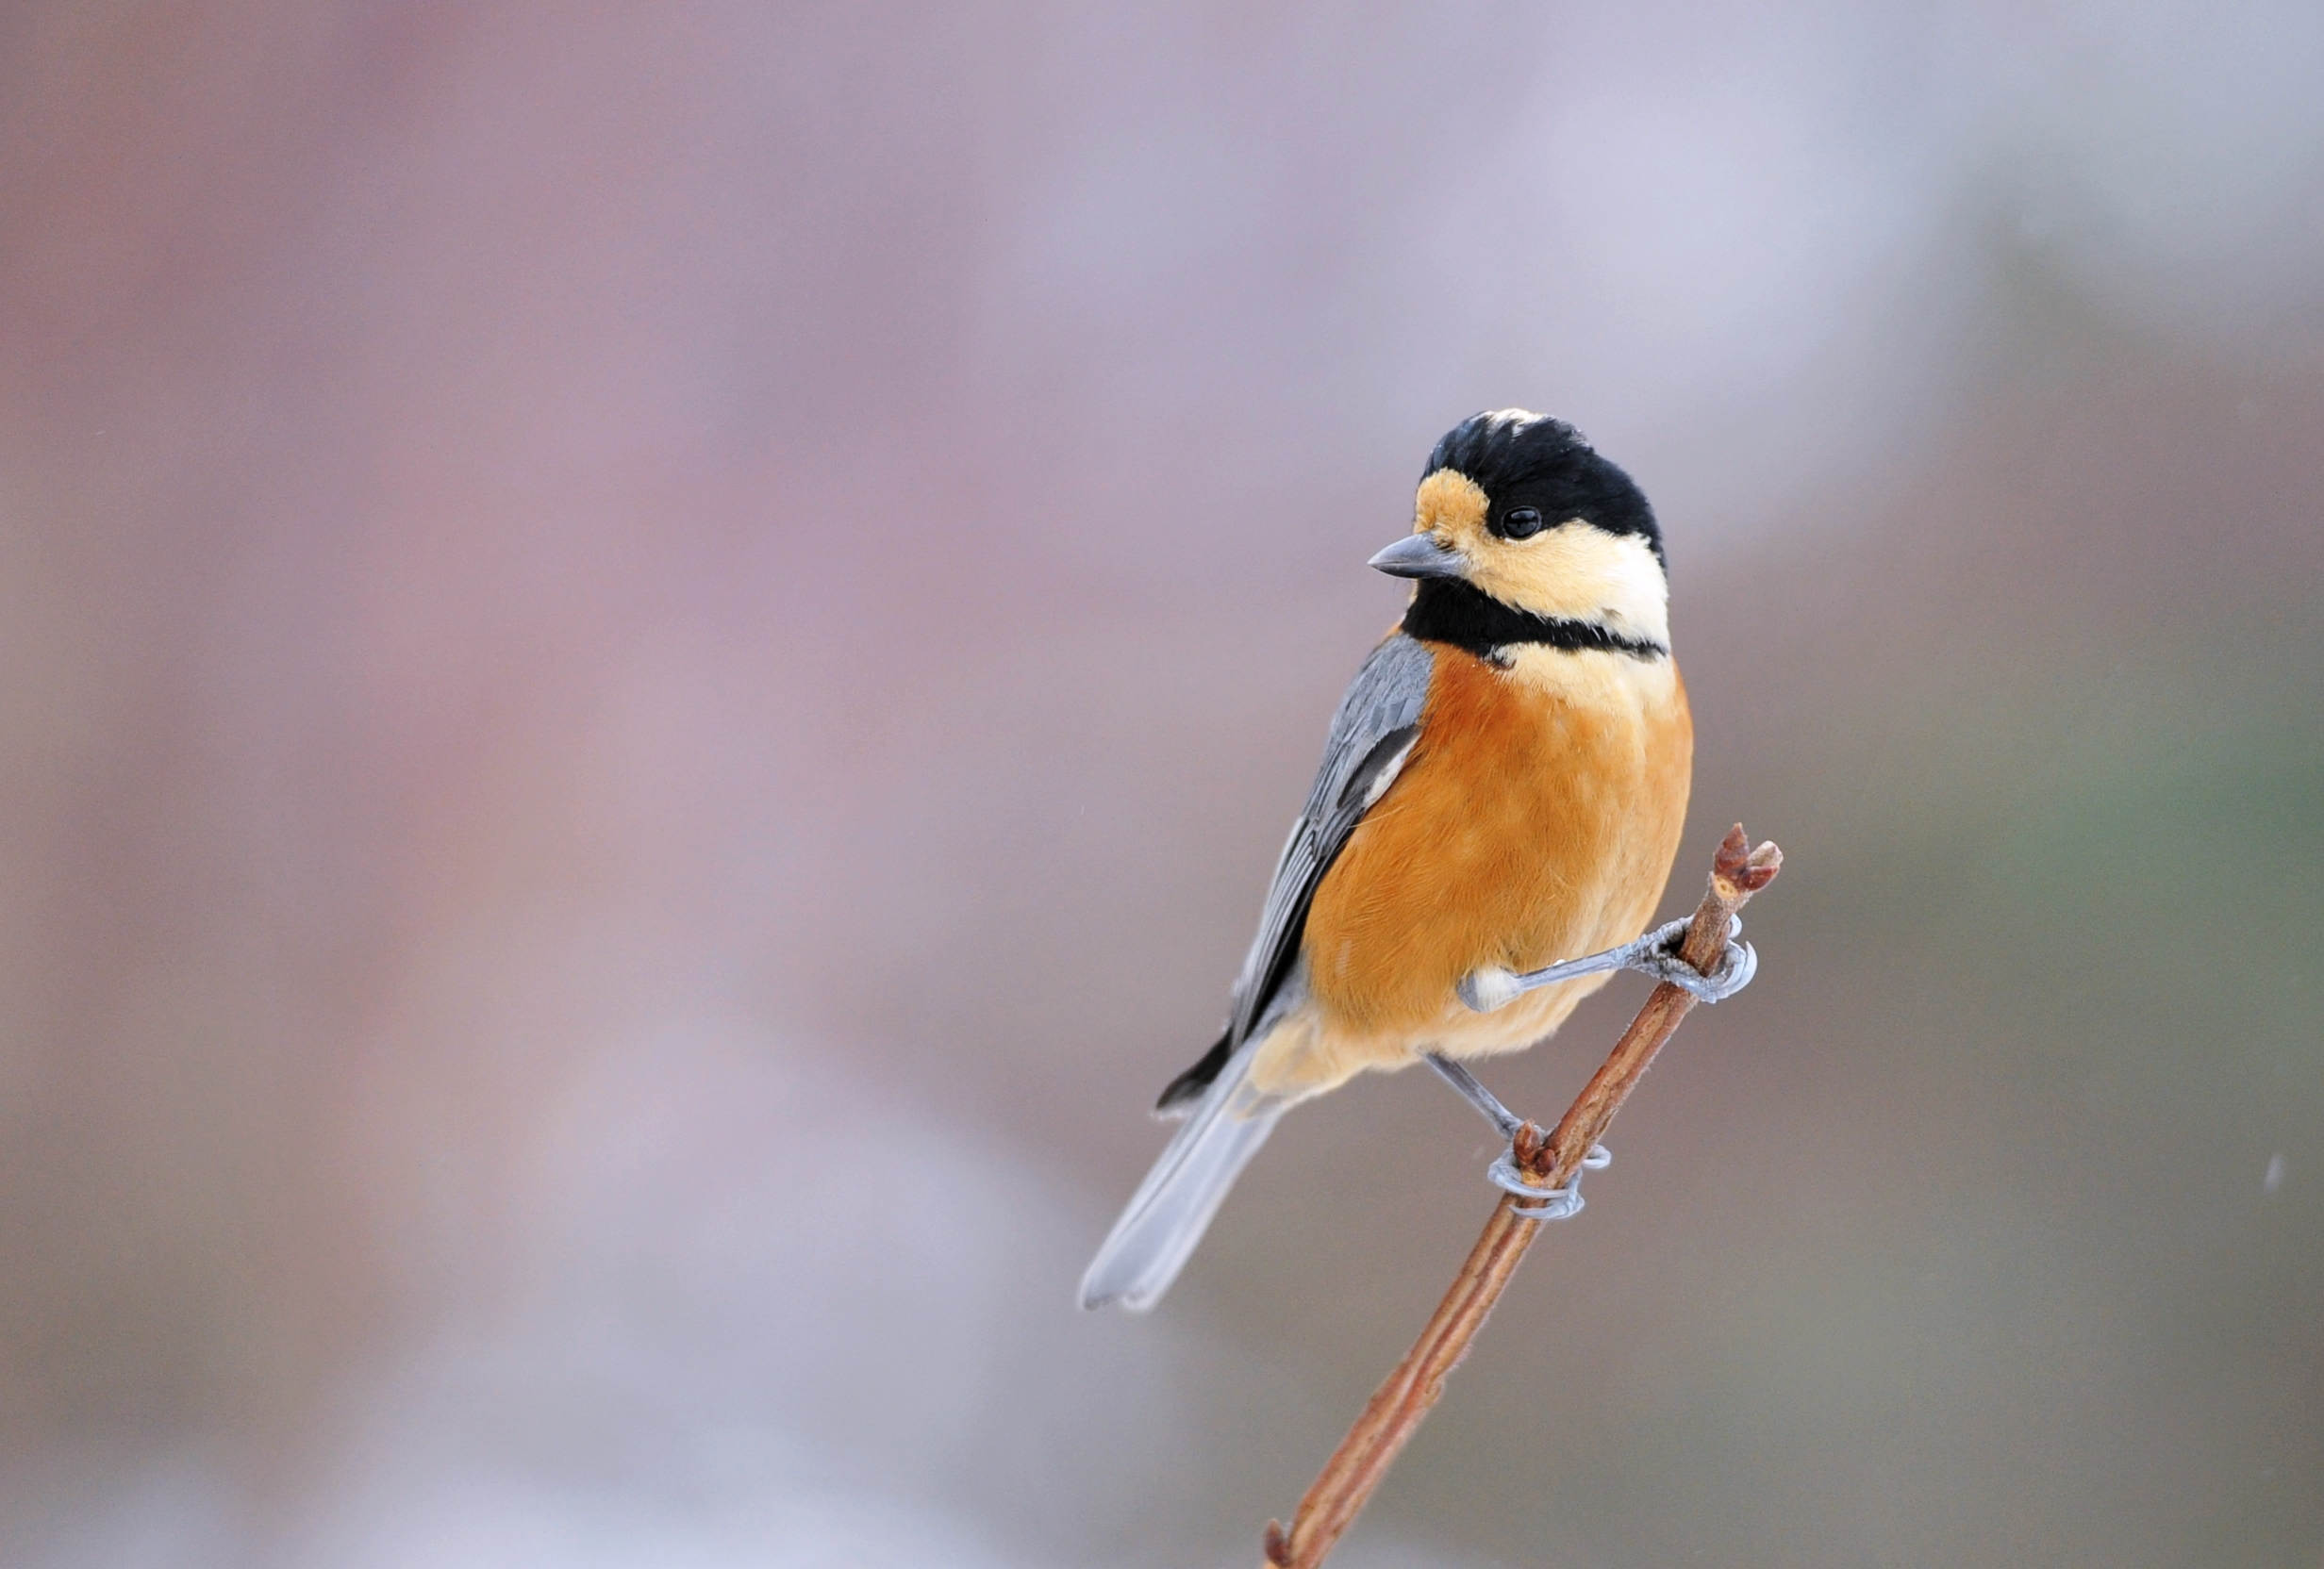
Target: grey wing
x=1371, y=734
x=1227, y=1118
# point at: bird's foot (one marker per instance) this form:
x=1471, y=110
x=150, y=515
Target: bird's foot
x=1504, y=1173
x=1655, y=955
x=1555, y=1203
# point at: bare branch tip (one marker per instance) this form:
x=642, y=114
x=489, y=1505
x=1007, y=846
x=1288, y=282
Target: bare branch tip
x=1278, y=1545
x=1738, y=869
x=1760, y=869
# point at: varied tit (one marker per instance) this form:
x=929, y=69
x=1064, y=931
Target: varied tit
x=1500, y=800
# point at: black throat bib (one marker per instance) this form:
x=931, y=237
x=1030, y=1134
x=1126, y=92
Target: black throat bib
x=1447, y=610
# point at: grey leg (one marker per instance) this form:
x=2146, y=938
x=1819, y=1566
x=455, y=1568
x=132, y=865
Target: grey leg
x=1555, y=1203
x=1654, y=955
x=1504, y=1121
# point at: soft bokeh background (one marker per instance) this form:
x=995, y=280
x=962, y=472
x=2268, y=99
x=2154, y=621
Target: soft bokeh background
x=654, y=657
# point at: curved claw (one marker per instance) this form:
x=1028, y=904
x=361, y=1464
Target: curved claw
x=1736, y=968
x=1667, y=937
x=1555, y=1203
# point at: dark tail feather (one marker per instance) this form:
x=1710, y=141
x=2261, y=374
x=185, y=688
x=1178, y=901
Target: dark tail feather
x=1192, y=1084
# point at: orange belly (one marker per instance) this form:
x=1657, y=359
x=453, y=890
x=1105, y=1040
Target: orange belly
x=1535, y=820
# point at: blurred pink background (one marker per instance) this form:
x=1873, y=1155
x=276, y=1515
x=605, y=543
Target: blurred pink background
x=656, y=655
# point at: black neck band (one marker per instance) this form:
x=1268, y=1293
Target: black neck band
x=1448, y=610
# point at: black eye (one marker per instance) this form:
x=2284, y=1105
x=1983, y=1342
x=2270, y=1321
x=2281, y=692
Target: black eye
x=1523, y=523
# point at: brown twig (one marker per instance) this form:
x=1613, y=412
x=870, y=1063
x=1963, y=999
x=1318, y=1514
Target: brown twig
x=1551, y=1160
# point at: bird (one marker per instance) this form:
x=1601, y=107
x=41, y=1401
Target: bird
x=1501, y=797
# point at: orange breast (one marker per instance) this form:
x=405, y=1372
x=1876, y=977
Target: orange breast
x=1535, y=820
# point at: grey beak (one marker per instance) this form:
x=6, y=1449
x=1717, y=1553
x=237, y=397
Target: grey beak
x=1418, y=555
